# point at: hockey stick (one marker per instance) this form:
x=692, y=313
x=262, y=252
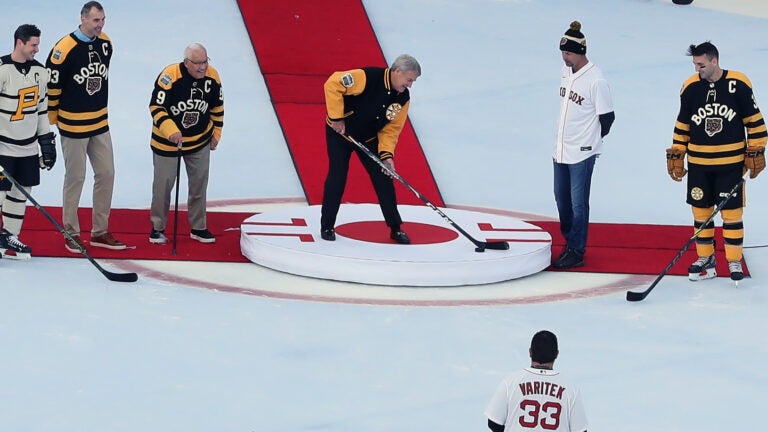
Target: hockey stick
x=480, y=246
x=176, y=202
x=637, y=296
x=115, y=277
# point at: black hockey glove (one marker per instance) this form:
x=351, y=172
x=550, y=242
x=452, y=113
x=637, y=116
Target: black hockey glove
x=48, y=150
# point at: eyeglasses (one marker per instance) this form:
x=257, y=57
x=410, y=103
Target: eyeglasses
x=201, y=62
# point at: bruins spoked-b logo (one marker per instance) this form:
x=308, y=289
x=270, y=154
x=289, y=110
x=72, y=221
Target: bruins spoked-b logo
x=697, y=193
x=393, y=110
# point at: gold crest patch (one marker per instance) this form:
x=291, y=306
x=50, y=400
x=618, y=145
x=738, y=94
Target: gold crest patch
x=393, y=110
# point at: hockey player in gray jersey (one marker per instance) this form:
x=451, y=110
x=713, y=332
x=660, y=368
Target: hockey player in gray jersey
x=26, y=141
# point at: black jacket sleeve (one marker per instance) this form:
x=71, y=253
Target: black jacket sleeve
x=495, y=427
x=606, y=120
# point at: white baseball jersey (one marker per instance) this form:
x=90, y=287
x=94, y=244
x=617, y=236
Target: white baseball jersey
x=23, y=106
x=537, y=400
x=584, y=96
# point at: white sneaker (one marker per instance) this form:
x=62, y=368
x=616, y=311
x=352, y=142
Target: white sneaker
x=703, y=268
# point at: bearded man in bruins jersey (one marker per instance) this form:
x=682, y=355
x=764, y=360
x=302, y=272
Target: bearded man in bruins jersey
x=723, y=133
x=187, y=108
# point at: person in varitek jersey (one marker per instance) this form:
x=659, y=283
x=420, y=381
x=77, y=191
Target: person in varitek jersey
x=537, y=398
x=720, y=129
x=369, y=105
x=187, y=108
x=78, y=92
x=26, y=141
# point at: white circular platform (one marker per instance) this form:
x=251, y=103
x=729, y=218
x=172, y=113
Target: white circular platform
x=288, y=240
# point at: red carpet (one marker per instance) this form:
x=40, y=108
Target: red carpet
x=612, y=248
x=132, y=228
x=636, y=248
x=298, y=44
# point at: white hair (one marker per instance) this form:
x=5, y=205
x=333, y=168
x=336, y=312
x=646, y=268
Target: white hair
x=193, y=47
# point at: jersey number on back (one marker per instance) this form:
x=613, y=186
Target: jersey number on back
x=546, y=415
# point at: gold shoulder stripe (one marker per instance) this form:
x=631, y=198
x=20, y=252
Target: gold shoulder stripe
x=62, y=49
x=213, y=73
x=739, y=76
x=692, y=79
x=168, y=76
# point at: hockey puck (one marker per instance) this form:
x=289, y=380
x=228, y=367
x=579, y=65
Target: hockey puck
x=682, y=2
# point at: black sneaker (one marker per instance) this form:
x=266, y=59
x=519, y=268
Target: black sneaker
x=400, y=237
x=157, y=237
x=569, y=259
x=203, y=236
x=562, y=254
x=328, y=234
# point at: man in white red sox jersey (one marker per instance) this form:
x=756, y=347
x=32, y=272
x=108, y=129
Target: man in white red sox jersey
x=586, y=116
x=537, y=398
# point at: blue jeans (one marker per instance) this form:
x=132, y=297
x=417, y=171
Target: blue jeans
x=572, y=185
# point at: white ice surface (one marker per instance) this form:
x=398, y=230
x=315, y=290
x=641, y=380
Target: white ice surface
x=84, y=354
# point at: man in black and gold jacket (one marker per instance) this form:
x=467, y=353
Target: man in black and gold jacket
x=369, y=105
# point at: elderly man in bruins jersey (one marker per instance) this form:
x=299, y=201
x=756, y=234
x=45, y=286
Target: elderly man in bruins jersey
x=721, y=130
x=371, y=106
x=78, y=91
x=187, y=109
x=24, y=132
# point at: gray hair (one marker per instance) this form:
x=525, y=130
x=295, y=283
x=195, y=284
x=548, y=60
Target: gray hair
x=195, y=46
x=406, y=63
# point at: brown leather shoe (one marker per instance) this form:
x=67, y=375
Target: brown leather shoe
x=75, y=247
x=107, y=241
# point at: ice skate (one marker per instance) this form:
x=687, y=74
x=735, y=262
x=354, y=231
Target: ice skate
x=11, y=247
x=703, y=268
x=737, y=273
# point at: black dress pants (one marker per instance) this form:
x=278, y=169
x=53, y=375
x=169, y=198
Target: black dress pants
x=339, y=152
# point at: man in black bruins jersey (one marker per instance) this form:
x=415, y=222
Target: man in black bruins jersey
x=78, y=91
x=187, y=109
x=371, y=106
x=723, y=133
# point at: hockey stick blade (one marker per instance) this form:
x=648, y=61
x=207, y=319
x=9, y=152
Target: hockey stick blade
x=497, y=245
x=120, y=277
x=637, y=296
x=115, y=277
